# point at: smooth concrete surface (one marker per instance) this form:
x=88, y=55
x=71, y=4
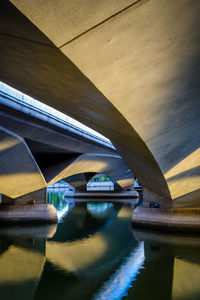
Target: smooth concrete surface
x=156, y=76
x=54, y=149
x=39, y=132
x=43, y=213
x=146, y=67
x=53, y=79
x=19, y=172
x=176, y=219
x=141, y=57
x=139, y=84
x=37, y=197
x=79, y=181
x=83, y=16
x=148, y=196
x=111, y=165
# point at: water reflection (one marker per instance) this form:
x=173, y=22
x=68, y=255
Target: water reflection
x=59, y=198
x=172, y=266
x=93, y=253
x=22, y=258
x=100, y=210
x=118, y=285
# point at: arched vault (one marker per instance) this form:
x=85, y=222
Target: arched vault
x=130, y=70
x=85, y=166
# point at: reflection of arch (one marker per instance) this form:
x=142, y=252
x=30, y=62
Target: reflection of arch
x=100, y=210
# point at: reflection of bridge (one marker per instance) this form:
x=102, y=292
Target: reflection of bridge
x=125, y=69
x=171, y=262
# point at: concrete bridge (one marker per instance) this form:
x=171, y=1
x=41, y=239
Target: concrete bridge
x=40, y=149
x=129, y=70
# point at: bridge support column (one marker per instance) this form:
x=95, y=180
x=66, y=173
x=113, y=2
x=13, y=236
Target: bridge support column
x=82, y=188
x=29, y=208
x=158, y=212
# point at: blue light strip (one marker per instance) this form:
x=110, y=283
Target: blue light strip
x=119, y=284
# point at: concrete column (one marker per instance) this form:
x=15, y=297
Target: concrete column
x=82, y=188
x=29, y=208
x=158, y=212
x=36, y=197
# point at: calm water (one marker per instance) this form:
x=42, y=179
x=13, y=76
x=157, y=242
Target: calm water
x=93, y=253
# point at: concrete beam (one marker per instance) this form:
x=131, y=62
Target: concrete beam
x=143, y=58
x=19, y=172
x=112, y=166
x=70, y=92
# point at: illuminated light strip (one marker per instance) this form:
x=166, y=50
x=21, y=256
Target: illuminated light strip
x=118, y=285
x=62, y=213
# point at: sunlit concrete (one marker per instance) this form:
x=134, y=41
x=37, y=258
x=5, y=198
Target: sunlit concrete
x=46, y=133
x=79, y=181
x=33, y=214
x=130, y=71
x=186, y=219
x=17, y=178
x=111, y=165
x=70, y=91
x=54, y=149
x=143, y=64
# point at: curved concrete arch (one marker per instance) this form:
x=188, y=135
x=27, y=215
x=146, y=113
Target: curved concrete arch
x=111, y=165
x=71, y=92
x=19, y=172
x=146, y=69
x=79, y=181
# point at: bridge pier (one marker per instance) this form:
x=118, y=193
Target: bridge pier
x=158, y=212
x=29, y=208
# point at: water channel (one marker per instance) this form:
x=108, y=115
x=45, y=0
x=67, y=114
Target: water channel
x=94, y=253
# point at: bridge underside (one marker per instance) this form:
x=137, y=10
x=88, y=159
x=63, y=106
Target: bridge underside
x=129, y=70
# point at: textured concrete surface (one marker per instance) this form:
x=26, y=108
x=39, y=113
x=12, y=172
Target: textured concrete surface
x=122, y=195
x=19, y=172
x=43, y=213
x=54, y=80
x=112, y=166
x=53, y=150
x=39, y=132
x=186, y=219
x=142, y=60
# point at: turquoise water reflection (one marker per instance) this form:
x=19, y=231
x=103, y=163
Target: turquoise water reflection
x=93, y=253
x=63, y=204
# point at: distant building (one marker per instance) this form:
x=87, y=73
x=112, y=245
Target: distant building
x=100, y=182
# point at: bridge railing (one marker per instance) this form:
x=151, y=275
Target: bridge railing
x=30, y=106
